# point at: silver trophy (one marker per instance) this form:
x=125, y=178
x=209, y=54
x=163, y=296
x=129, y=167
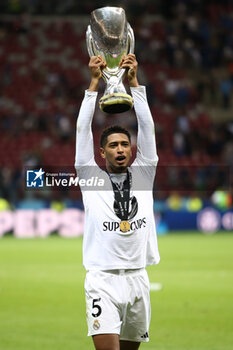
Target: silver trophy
x=110, y=35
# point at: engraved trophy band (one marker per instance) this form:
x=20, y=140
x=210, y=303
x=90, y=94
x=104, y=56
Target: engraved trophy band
x=111, y=36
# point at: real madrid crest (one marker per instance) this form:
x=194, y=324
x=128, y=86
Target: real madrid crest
x=96, y=325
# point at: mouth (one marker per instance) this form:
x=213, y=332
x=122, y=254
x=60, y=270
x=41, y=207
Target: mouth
x=120, y=159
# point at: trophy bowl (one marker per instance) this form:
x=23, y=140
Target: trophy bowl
x=111, y=36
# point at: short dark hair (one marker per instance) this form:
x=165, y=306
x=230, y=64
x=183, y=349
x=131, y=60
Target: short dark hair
x=113, y=129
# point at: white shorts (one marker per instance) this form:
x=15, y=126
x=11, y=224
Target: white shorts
x=118, y=302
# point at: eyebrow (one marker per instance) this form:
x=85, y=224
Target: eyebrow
x=116, y=142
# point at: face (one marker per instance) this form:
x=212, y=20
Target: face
x=117, y=153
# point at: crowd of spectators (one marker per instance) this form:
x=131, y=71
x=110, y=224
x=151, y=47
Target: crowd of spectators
x=185, y=52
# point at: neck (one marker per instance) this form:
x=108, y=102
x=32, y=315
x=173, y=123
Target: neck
x=111, y=170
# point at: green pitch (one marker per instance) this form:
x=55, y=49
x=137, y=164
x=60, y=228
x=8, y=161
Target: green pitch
x=42, y=300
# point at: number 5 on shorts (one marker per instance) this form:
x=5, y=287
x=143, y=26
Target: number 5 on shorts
x=97, y=307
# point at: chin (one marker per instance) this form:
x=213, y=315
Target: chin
x=119, y=169
x=122, y=169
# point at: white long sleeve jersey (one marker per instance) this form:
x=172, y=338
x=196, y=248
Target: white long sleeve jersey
x=105, y=245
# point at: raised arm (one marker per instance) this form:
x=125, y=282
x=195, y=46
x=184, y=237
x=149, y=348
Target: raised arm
x=84, y=138
x=146, y=145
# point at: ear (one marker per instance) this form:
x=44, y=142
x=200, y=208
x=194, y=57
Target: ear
x=102, y=152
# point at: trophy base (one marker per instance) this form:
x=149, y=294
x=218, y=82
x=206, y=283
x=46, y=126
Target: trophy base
x=116, y=103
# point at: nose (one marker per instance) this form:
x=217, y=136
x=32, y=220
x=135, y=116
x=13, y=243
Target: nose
x=119, y=149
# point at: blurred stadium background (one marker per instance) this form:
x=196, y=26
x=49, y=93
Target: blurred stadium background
x=185, y=53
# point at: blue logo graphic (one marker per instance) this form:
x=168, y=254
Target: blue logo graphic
x=35, y=178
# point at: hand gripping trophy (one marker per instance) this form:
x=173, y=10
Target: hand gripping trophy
x=110, y=35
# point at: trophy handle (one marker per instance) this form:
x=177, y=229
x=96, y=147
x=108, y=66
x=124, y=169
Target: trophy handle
x=131, y=40
x=89, y=41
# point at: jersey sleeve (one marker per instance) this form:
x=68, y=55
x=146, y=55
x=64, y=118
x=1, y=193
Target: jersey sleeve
x=146, y=145
x=84, y=154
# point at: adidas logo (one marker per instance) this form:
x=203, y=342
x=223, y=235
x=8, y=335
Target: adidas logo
x=146, y=335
